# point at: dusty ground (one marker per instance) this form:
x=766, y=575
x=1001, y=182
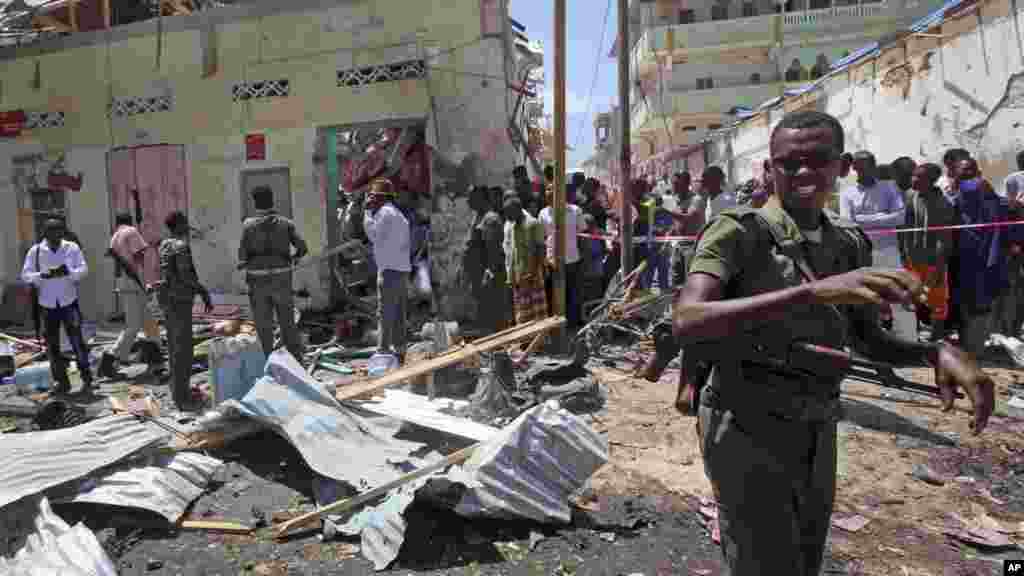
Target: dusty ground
x=885, y=433
x=641, y=514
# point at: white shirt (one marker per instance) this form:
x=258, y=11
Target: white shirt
x=714, y=206
x=573, y=226
x=878, y=206
x=54, y=292
x=388, y=230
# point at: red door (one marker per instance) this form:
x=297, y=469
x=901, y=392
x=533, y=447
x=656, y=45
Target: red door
x=158, y=173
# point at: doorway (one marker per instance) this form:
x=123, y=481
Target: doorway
x=277, y=179
x=148, y=182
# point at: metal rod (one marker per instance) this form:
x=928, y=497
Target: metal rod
x=625, y=176
x=559, y=200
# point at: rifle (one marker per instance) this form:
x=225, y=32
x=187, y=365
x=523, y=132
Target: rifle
x=797, y=358
x=126, y=268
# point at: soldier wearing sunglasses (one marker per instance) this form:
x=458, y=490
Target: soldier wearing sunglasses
x=784, y=273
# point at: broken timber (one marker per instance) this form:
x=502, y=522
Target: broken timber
x=351, y=503
x=453, y=356
x=215, y=526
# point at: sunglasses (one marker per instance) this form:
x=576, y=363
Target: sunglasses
x=814, y=160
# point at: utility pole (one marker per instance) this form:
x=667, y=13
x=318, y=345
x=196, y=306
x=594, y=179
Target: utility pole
x=558, y=207
x=626, y=188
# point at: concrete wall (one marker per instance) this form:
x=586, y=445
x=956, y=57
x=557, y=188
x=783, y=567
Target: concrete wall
x=917, y=98
x=463, y=101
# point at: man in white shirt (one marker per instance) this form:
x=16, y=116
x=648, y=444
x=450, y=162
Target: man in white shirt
x=388, y=230
x=876, y=204
x=56, y=266
x=573, y=227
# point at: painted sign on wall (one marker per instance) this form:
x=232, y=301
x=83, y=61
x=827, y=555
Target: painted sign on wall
x=12, y=123
x=255, y=147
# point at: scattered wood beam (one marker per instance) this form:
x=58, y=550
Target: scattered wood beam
x=215, y=526
x=50, y=21
x=452, y=356
x=350, y=503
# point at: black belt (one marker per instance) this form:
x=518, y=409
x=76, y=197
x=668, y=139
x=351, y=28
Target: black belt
x=792, y=404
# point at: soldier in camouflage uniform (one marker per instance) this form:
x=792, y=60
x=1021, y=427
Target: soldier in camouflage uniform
x=791, y=272
x=267, y=241
x=178, y=287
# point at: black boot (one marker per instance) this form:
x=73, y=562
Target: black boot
x=107, y=367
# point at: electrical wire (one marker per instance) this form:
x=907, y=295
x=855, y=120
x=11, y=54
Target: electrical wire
x=597, y=71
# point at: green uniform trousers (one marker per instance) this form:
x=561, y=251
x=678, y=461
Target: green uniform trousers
x=775, y=484
x=272, y=296
x=178, y=322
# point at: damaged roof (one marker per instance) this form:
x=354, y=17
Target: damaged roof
x=868, y=51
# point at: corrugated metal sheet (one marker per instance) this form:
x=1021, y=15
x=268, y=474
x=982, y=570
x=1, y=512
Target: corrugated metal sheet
x=35, y=461
x=336, y=441
x=57, y=549
x=162, y=484
x=428, y=413
x=532, y=468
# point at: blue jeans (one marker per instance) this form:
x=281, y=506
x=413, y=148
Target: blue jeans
x=657, y=265
x=71, y=318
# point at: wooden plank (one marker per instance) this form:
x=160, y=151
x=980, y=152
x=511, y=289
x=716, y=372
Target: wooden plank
x=351, y=503
x=50, y=21
x=215, y=526
x=453, y=356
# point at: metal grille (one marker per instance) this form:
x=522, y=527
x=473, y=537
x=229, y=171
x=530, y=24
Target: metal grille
x=36, y=120
x=382, y=73
x=264, y=89
x=135, y=106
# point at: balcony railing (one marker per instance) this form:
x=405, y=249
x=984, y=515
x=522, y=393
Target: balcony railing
x=807, y=18
x=715, y=101
x=761, y=30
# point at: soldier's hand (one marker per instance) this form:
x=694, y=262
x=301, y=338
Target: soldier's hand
x=955, y=368
x=869, y=286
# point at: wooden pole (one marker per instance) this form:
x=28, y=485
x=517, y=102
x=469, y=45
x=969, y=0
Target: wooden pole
x=73, y=15
x=625, y=208
x=106, y=13
x=333, y=225
x=559, y=196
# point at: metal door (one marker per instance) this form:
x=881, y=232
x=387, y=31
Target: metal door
x=278, y=179
x=149, y=181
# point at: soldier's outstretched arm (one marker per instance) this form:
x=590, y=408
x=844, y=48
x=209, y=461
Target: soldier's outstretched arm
x=699, y=313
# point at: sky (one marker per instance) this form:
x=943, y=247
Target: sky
x=584, y=49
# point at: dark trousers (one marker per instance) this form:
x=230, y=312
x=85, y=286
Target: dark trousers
x=270, y=297
x=71, y=318
x=178, y=322
x=775, y=490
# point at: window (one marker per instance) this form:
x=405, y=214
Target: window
x=686, y=17
x=714, y=126
x=689, y=128
x=705, y=83
x=749, y=9
x=755, y=78
x=720, y=12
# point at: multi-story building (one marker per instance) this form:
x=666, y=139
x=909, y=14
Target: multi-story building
x=108, y=112
x=696, y=66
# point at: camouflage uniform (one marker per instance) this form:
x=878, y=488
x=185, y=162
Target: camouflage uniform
x=768, y=437
x=267, y=242
x=179, y=285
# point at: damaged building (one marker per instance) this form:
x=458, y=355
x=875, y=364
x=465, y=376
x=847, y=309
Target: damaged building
x=189, y=106
x=954, y=79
